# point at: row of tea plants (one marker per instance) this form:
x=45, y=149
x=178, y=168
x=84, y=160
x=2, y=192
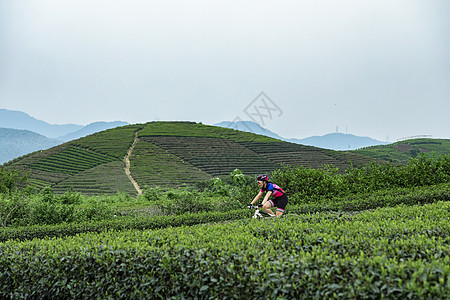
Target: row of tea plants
x=401, y=252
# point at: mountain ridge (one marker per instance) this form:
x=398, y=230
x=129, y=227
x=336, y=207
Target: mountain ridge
x=64, y=132
x=332, y=141
x=19, y=120
x=90, y=129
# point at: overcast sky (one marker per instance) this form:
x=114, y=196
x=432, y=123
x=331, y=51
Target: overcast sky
x=378, y=68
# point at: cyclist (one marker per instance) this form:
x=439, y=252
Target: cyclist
x=280, y=199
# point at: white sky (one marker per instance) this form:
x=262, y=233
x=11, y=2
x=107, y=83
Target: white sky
x=374, y=68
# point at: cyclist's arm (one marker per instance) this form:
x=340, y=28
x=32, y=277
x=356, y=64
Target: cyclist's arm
x=257, y=197
x=266, y=198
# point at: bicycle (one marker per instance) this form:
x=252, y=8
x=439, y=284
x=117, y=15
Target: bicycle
x=259, y=213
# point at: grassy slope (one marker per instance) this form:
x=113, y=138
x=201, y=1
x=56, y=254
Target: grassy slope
x=401, y=152
x=168, y=154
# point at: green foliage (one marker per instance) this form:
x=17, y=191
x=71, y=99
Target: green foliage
x=306, y=184
x=381, y=199
x=401, y=152
x=152, y=193
x=12, y=206
x=181, y=201
x=218, y=187
x=45, y=208
x=328, y=244
x=42, y=211
x=117, y=224
x=400, y=252
x=112, y=142
x=238, y=177
x=10, y=180
x=71, y=161
x=71, y=197
x=96, y=210
x=378, y=199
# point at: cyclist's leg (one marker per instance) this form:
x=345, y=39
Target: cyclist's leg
x=267, y=207
x=281, y=205
x=279, y=212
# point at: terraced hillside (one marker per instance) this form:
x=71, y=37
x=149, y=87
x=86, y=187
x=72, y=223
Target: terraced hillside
x=401, y=152
x=167, y=154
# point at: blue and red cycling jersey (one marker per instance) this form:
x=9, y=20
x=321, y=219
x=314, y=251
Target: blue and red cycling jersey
x=275, y=189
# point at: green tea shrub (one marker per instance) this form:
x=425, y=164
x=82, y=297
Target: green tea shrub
x=96, y=210
x=46, y=208
x=41, y=211
x=152, y=193
x=10, y=180
x=217, y=187
x=71, y=197
x=13, y=207
x=139, y=223
x=23, y=208
x=180, y=202
x=427, y=170
x=306, y=184
x=244, y=188
x=390, y=253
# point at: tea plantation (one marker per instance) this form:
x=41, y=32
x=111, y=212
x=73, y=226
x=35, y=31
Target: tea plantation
x=354, y=229
x=401, y=152
x=167, y=154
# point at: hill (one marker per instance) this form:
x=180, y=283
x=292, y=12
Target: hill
x=20, y=120
x=15, y=143
x=166, y=154
x=332, y=141
x=401, y=152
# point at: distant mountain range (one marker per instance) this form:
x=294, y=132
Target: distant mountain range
x=90, y=129
x=333, y=141
x=21, y=134
x=20, y=120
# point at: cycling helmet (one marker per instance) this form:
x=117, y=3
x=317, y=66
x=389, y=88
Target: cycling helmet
x=262, y=177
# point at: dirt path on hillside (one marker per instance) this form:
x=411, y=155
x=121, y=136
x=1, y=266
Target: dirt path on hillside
x=127, y=165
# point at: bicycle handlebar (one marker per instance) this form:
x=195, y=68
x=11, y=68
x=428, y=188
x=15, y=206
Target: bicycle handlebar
x=254, y=207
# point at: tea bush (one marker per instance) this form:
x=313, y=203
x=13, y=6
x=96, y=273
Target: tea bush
x=400, y=252
x=28, y=208
x=10, y=180
x=305, y=184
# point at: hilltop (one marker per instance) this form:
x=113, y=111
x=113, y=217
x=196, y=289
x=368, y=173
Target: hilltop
x=402, y=151
x=166, y=154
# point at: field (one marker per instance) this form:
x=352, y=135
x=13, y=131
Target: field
x=375, y=231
